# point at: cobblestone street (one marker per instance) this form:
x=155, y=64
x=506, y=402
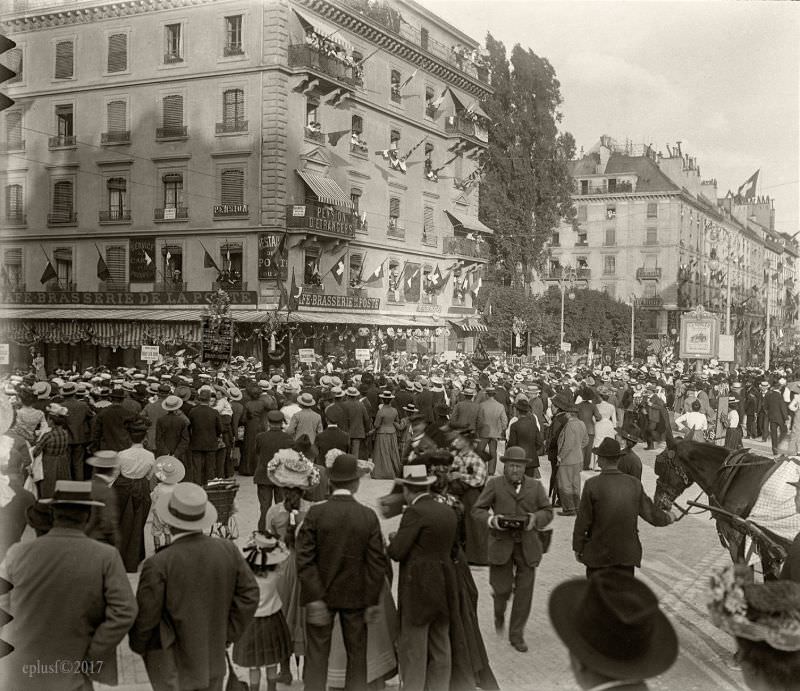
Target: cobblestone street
x=677, y=562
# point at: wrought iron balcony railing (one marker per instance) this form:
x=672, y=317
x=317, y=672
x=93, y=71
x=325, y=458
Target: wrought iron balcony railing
x=62, y=218
x=172, y=132
x=119, y=137
x=171, y=213
x=61, y=141
x=115, y=215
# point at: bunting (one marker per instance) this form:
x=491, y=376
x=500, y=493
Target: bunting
x=208, y=260
x=338, y=270
x=376, y=276
x=334, y=137
x=407, y=81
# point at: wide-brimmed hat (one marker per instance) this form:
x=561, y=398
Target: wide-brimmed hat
x=265, y=385
x=289, y=468
x=56, y=410
x=562, y=401
x=336, y=392
x=41, y=389
x=68, y=388
x=515, y=454
x=169, y=470
x=105, y=458
x=72, y=492
x=117, y=393
x=609, y=448
x=344, y=469
x=613, y=625
x=386, y=395
x=630, y=433
x=416, y=476
x=186, y=507
x=410, y=408
x=172, y=403
x=234, y=393
x=265, y=550
x=306, y=400
x=351, y=391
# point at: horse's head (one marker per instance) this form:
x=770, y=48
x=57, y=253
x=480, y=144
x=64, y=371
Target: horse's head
x=671, y=478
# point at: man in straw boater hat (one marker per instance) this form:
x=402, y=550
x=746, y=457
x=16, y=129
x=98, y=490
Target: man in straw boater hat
x=616, y=634
x=518, y=505
x=71, y=600
x=341, y=566
x=195, y=597
x=306, y=420
x=423, y=544
x=606, y=534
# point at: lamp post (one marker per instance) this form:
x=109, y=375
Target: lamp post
x=566, y=280
x=633, y=321
x=768, y=335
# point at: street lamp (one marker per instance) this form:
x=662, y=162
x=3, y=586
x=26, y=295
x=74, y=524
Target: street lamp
x=567, y=280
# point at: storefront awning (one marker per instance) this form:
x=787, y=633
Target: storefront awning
x=124, y=314
x=326, y=189
x=465, y=224
x=470, y=325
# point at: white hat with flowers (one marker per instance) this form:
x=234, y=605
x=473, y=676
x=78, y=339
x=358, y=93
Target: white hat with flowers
x=289, y=468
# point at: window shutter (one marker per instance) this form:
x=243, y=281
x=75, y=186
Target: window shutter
x=428, y=224
x=233, y=105
x=172, y=111
x=118, y=53
x=14, y=200
x=116, y=256
x=117, y=112
x=394, y=207
x=13, y=60
x=62, y=254
x=232, y=186
x=62, y=197
x=14, y=129
x=12, y=255
x=117, y=184
x=64, y=60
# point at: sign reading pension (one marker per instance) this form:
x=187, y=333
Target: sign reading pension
x=322, y=217
x=338, y=302
x=120, y=299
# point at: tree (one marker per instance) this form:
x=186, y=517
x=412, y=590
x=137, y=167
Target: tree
x=526, y=188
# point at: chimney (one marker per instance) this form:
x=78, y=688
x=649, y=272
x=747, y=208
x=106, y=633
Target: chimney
x=678, y=148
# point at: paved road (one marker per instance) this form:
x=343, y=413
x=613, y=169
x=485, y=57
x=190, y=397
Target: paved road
x=677, y=562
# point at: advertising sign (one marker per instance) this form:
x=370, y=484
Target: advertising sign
x=363, y=354
x=142, y=260
x=726, y=348
x=537, y=351
x=307, y=355
x=270, y=265
x=149, y=353
x=699, y=335
x=566, y=346
x=4, y=356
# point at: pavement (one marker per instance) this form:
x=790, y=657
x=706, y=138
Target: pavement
x=678, y=560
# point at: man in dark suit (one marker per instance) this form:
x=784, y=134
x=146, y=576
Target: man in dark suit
x=425, y=401
x=78, y=423
x=267, y=443
x=103, y=524
x=525, y=433
x=514, y=553
x=402, y=397
x=108, y=427
x=71, y=600
x=332, y=437
x=777, y=413
x=341, y=566
x=629, y=463
x=205, y=430
x=195, y=597
x=423, y=545
x=465, y=412
x=172, y=430
x=606, y=533
x=358, y=422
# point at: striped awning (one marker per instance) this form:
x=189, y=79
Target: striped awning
x=332, y=35
x=465, y=224
x=470, y=325
x=326, y=189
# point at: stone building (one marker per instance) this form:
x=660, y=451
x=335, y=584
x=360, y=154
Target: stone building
x=161, y=150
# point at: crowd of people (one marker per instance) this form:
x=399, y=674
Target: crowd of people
x=97, y=462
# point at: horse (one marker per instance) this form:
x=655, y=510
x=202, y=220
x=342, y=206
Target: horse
x=732, y=481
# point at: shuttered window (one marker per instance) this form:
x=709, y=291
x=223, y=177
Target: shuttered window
x=14, y=130
x=394, y=208
x=117, y=114
x=15, y=202
x=117, y=52
x=233, y=107
x=13, y=60
x=232, y=186
x=63, y=200
x=116, y=259
x=428, y=225
x=12, y=263
x=172, y=111
x=65, y=60
x=356, y=124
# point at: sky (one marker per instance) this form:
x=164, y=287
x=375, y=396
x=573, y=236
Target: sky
x=721, y=77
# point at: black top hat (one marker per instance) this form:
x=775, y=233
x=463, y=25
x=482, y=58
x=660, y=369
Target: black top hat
x=609, y=448
x=613, y=625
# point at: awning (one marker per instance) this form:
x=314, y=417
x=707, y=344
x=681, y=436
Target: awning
x=326, y=189
x=470, y=325
x=126, y=314
x=329, y=34
x=365, y=318
x=476, y=108
x=463, y=223
x=457, y=102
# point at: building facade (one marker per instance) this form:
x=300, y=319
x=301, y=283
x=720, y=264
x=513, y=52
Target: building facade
x=160, y=151
x=652, y=232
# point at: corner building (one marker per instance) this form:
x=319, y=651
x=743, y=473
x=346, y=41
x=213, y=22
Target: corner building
x=159, y=150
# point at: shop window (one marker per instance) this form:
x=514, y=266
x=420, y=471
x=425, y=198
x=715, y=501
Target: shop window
x=117, y=53
x=65, y=60
x=609, y=265
x=13, y=275
x=173, y=43
x=62, y=256
x=172, y=265
x=233, y=35
x=15, y=204
x=311, y=272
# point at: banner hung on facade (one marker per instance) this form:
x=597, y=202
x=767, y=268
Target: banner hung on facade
x=142, y=260
x=271, y=260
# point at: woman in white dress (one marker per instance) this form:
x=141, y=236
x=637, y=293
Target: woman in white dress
x=605, y=427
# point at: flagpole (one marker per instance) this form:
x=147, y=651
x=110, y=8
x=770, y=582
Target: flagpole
x=45, y=254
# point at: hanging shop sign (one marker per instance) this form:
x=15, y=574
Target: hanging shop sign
x=120, y=299
x=217, y=340
x=338, y=302
x=271, y=265
x=322, y=217
x=142, y=260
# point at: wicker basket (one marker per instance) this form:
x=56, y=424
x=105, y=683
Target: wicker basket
x=223, y=495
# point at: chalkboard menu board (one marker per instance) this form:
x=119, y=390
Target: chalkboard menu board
x=217, y=340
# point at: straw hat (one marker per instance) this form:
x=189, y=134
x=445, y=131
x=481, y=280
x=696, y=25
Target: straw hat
x=416, y=476
x=169, y=470
x=104, y=458
x=41, y=389
x=187, y=507
x=306, y=400
x=171, y=403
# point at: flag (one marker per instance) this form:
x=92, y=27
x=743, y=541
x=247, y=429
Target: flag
x=436, y=278
x=377, y=275
x=408, y=80
x=338, y=270
x=283, y=300
x=293, y=301
x=477, y=286
x=49, y=274
x=149, y=260
x=411, y=285
x=277, y=253
x=437, y=102
x=208, y=260
x=102, y=269
x=747, y=190
x=334, y=137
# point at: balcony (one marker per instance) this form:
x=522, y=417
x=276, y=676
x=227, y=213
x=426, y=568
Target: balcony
x=170, y=287
x=61, y=141
x=113, y=287
x=314, y=135
x=172, y=58
x=395, y=230
x=231, y=284
x=359, y=148
x=231, y=210
x=308, y=57
x=62, y=218
x=232, y=49
x=115, y=216
x=645, y=274
x=583, y=273
x=231, y=127
x=603, y=188
x=13, y=145
x=430, y=239
x=16, y=219
x=464, y=247
x=172, y=213
x=431, y=110
x=121, y=137
x=466, y=126
x=652, y=303
x=172, y=132
x=322, y=219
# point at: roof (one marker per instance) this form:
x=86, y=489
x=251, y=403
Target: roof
x=649, y=176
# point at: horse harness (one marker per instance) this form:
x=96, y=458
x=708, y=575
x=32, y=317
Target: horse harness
x=729, y=470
